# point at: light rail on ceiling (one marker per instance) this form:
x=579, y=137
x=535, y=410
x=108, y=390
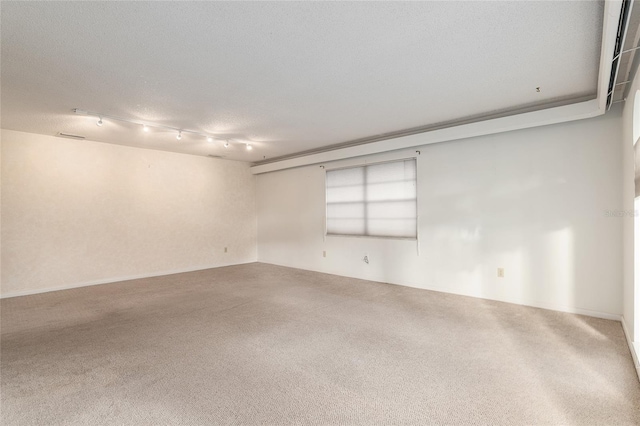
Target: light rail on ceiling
x=146, y=125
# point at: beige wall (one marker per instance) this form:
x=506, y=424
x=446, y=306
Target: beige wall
x=82, y=212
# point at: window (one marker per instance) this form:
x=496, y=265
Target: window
x=377, y=200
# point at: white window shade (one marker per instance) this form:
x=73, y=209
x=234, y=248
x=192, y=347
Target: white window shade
x=373, y=200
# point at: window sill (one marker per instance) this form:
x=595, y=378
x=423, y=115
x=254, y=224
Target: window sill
x=373, y=236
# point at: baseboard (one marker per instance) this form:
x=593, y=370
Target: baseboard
x=115, y=280
x=559, y=308
x=523, y=302
x=634, y=348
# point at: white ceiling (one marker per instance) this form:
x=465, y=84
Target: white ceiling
x=287, y=77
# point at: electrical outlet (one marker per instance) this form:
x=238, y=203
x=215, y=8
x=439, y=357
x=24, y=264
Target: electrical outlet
x=225, y=249
x=500, y=272
x=324, y=253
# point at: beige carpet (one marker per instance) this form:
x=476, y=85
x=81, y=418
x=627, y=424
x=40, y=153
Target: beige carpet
x=261, y=344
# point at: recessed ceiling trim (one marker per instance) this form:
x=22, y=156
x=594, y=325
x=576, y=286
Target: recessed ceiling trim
x=554, y=115
x=425, y=129
x=499, y=125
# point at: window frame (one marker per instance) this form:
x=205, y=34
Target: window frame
x=362, y=165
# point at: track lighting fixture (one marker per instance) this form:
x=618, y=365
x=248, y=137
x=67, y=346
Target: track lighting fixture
x=146, y=127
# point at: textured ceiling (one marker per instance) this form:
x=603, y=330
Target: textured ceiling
x=286, y=76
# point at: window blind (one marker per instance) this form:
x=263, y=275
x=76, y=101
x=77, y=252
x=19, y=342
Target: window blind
x=374, y=200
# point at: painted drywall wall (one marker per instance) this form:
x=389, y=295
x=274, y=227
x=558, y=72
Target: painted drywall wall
x=630, y=220
x=540, y=203
x=81, y=212
x=627, y=206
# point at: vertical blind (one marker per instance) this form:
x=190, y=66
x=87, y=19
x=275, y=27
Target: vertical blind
x=373, y=200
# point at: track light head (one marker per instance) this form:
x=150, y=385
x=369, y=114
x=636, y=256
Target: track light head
x=147, y=128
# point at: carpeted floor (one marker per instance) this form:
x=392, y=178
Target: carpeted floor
x=262, y=344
